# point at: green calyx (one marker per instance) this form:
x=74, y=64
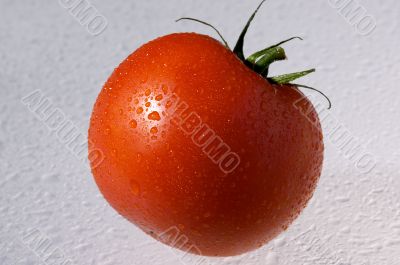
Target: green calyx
x=260, y=61
x=287, y=78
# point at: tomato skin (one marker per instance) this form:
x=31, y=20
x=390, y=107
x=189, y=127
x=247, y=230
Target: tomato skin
x=156, y=177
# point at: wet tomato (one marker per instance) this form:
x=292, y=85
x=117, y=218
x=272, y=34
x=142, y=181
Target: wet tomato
x=199, y=150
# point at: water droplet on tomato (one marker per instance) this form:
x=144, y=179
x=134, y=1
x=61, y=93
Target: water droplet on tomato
x=164, y=88
x=144, y=79
x=135, y=187
x=147, y=92
x=115, y=153
x=159, y=97
x=154, y=130
x=133, y=124
x=139, y=110
x=139, y=157
x=154, y=116
x=148, y=104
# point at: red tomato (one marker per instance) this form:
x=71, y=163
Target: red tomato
x=164, y=170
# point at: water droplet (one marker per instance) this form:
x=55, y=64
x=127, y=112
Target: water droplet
x=148, y=104
x=154, y=116
x=139, y=157
x=154, y=130
x=114, y=152
x=135, y=187
x=159, y=97
x=139, y=110
x=164, y=88
x=133, y=124
x=144, y=79
x=147, y=92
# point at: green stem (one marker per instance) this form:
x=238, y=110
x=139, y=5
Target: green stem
x=286, y=78
x=314, y=89
x=238, y=50
x=269, y=56
x=252, y=58
x=207, y=24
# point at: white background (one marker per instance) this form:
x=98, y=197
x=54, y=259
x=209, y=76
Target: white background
x=45, y=189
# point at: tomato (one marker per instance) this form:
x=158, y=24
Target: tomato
x=201, y=149
x=159, y=176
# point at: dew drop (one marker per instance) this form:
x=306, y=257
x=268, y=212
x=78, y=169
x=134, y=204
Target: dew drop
x=139, y=157
x=154, y=130
x=139, y=110
x=148, y=104
x=114, y=151
x=133, y=124
x=154, y=116
x=164, y=88
x=135, y=187
x=147, y=92
x=159, y=97
x=143, y=80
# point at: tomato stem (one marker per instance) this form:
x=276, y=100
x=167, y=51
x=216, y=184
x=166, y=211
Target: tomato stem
x=238, y=50
x=274, y=51
x=207, y=24
x=314, y=89
x=261, y=63
x=286, y=78
x=256, y=55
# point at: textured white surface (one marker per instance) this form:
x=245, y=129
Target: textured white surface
x=47, y=191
